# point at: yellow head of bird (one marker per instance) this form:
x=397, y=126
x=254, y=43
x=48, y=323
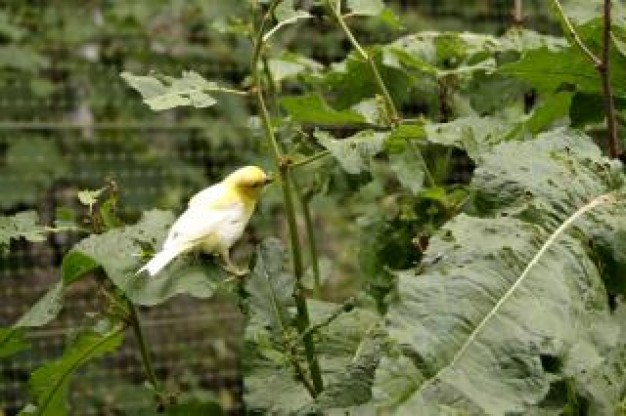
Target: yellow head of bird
x=249, y=180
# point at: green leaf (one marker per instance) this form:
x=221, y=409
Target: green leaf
x=354, y=153
x=497, y=316
x=75, y=265
x=270, y=289
x=350, y=81
x=119, y=251
x=166, y=92
x=12, y=341
x=313, y=109
x=286, y=14
x=290, y=65
x=408, y=169
x=49, y=383
x=337, y=345
x=366, y=7
x=21, y=225
x=352, y=387
x=548, y=70
x=45, y=309
x=472, y=134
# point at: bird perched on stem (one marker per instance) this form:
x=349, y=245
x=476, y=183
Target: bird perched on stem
x=214, y=220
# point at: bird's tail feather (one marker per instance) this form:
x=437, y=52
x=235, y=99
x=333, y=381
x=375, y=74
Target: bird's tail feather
x=160, y=260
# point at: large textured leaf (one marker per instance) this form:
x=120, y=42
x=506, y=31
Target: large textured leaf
x=118, y=252
x=49, y=384
x=497, y=318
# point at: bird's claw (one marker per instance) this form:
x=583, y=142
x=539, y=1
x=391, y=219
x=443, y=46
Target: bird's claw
x=235, y=271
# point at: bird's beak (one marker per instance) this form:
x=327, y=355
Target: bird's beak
x=269, y=179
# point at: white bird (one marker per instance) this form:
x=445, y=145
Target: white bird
x=214, y=220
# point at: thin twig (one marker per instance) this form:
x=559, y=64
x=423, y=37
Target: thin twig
x=347, y=306
x=309, y=159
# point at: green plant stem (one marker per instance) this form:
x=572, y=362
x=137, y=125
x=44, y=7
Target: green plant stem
x=392, y=112
x=302, y=320
x=133, y=320
x=311, y=240
x=605, y=73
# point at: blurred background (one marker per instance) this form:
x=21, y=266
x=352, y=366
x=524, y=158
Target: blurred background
x=68, y=122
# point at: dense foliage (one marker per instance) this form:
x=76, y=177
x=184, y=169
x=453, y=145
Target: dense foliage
x=482, y=174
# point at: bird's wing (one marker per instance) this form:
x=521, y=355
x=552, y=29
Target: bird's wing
x=208, y=196
x=203, y=218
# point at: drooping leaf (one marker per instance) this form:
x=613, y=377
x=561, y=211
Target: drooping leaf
x=354, y=153
x=49, y=383
x=313, y=109
x=45, y=309
x=487, y=326
x=119, y=251
x=22, y=225
x=166, y=92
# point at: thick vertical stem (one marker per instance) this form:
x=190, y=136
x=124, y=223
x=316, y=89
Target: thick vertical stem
x=302, y=320
x=604, y=68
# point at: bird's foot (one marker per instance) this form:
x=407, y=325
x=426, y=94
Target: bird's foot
x=231, y=269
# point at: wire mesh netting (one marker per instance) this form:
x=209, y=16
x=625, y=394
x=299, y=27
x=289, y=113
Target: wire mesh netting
x=68, y=122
